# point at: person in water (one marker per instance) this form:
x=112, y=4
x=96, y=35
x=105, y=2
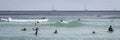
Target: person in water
x=36, y=31
x=111, y=20
x=48, y=13
x=35, y=23
x=24, y=29
x=55, y=32
x=79, y=19
x=93, y=32
x=61, y=20
x=110, y=28
x=43, y=18
x=38, y=22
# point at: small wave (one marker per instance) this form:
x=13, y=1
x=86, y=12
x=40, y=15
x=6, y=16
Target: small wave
x=68, y=24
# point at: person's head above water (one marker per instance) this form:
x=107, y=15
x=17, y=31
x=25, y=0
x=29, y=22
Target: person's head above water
x=61, y=20
x=24, y=29
x=43, y=18
x=93, y=32
x=37, y=21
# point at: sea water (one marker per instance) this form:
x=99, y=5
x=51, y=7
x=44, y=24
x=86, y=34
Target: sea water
x=70, y=29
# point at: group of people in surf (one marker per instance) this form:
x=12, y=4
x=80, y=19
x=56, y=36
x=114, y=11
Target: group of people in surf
x=110, y=29
x=36, y=31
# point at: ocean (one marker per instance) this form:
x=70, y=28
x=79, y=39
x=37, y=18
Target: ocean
x=70, y=29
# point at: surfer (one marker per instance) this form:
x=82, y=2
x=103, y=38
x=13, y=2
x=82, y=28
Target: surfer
x=55, y=32
x=24, y=29
x=110, y=29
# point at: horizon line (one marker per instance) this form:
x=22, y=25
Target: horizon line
x=69, y=10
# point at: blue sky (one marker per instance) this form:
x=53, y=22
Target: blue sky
x=59, y=4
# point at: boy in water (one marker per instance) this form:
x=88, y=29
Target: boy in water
x=24, y=29
x=93, y=32
x=55, y=32
x=110, y=28
x=36, y=33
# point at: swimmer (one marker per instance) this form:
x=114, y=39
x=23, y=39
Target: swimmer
x=79, y=19
x=37, y=21
x=110, y=29
x=55, y=32
x=24, y=29
x=43, y=18
x=61, y=20
x=93, y=32
x=48, y=13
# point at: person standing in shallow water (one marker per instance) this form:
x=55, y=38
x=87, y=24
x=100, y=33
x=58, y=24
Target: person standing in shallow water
x=36, y=31
x=110, y=29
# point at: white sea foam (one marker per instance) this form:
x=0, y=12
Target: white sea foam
x=24, y=20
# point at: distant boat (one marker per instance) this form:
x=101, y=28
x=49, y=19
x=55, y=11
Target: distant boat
x=23, y=20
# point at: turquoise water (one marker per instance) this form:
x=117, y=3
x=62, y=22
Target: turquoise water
x=72, y=29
